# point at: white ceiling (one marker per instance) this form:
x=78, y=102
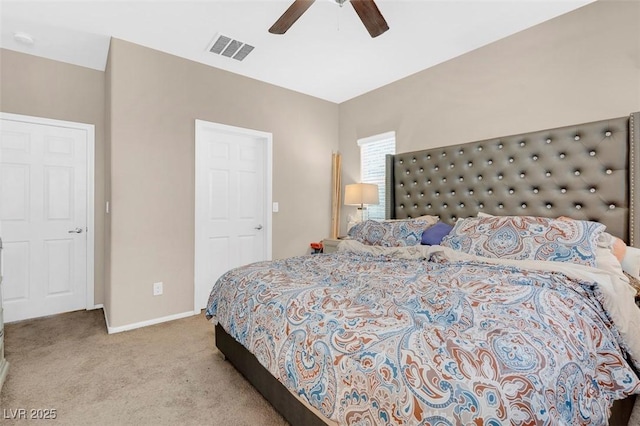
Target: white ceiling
x=327, y=53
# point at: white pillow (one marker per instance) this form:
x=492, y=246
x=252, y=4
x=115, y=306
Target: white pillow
x=631, y=262
x=606, y=261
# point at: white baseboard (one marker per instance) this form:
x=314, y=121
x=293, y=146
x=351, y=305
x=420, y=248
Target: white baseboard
x=94, y=307
x=133, y=326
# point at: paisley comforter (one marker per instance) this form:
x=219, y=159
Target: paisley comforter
x=428, y=339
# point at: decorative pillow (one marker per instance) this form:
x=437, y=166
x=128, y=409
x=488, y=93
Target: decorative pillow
x=527, y=238
x=631, y=262
x=393, y=233
x=433, y=236
x=629, y=257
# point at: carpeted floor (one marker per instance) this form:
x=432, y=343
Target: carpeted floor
x=166, y=374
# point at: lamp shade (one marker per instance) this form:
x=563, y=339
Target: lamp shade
x=358, y=194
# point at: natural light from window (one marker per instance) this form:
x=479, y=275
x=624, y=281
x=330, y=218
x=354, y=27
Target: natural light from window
x=373, y=151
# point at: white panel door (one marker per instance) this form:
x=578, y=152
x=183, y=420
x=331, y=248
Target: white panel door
x=43, y=218
x=231, y=199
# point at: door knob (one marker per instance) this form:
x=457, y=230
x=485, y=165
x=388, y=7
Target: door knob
x=76, y=231
x=259, y=227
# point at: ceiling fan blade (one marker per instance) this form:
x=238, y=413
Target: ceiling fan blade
x=290, y=16
x=370, y=16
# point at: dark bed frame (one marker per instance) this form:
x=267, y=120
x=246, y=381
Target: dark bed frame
x=588, y=171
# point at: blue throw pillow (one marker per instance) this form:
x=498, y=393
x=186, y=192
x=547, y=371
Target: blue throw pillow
x=433, y=236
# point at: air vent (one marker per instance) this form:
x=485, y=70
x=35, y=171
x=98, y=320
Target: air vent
x=226, y=46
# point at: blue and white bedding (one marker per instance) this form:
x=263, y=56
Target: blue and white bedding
x=424, y=335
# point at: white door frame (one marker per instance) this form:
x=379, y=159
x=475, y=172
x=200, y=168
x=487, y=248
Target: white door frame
x=199, y=149
x=90, y=131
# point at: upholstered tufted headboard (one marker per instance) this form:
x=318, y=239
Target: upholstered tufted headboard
x=589, y=171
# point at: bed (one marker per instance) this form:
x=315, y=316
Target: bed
x=438, y=341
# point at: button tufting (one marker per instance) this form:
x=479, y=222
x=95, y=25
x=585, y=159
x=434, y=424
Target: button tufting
x=511, y=160
x=490, y=191
x=576, y=137
x=549, y=140
x=523, y=205
x=612, y=206
x=470, y=164
x=436, y=168
x=402, y=184
x=421, y=170
x=479, y=177
x=429, y=182
x=444, y=154
x=402, y=206
x=437, y=193
x=444, y=206
x=521, y=175
x=453, y=218
x=479, y=148
x=500, y=206
x=609, y=171
x=401, y=161
x=481, y=205
x=453, y=192
x=592, y=153
x=511, y=191
x=489, y=161
x=536, y=190
x=522, y=143
x=500, y=146
x=592, y=190
x=578, y=206
x=413, y=160
x=444, y=179
x=547, y=174
x=534, y=158
x=461, y=205
x=428, y=206
x=461, y=179
x=563, y=190
x=451, y=166
x=461, y=152
x=577, y=173
x=415, y=206
x=415, y=182
x=500, y=177
x=562, y=155
x=422, y=194
x=428, y=157
x=471, y=192
x=607, y=133
x=549, y=206
x=408, y=172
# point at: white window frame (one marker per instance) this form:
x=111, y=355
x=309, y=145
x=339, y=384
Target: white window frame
x=382, y=137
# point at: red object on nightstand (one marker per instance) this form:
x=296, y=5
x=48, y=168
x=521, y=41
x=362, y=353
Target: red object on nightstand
x=316, y=247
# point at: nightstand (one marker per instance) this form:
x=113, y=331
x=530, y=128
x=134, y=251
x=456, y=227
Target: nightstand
x=330, y=245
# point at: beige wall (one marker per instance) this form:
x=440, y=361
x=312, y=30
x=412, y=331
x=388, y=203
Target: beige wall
x=579, y=67
x=154, y=100
x=40, y=87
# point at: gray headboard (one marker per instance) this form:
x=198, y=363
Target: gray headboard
x=589, y=171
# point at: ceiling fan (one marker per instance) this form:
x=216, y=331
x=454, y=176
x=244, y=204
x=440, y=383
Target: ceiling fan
x=366, y=9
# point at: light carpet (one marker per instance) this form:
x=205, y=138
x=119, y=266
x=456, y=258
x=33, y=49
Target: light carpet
x=166, y=374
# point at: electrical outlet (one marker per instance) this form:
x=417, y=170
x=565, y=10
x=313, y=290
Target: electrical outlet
x=157, y=289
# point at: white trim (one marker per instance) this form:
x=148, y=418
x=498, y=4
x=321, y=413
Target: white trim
x=90, y=130
x=98, y=306
x=113, y=330
x=268, y=139
x=377, y=138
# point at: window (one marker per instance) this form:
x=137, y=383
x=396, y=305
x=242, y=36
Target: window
x=373, y=151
